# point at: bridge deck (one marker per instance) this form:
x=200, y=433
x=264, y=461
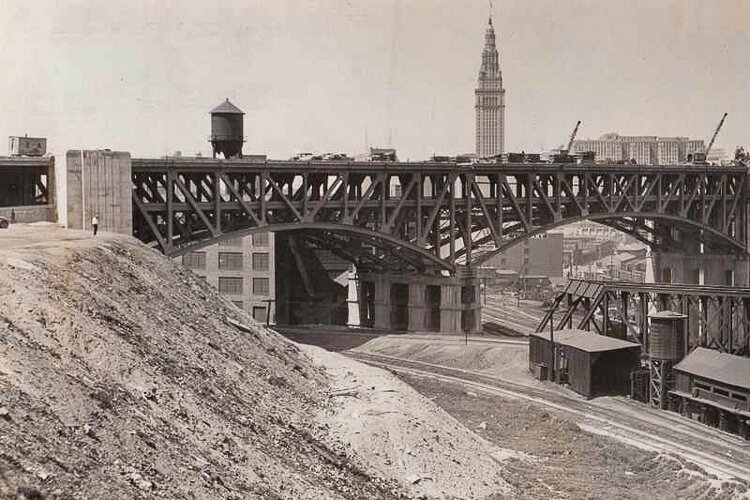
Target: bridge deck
x=424, y=166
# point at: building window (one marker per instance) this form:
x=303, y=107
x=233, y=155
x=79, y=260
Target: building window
x=194, y=260
x=260, y=262
x=260, y=286
x=260, y=239
x=230, y=261
x=230, y=285
x=239, y=304
x=231, y=242
x=259, y=314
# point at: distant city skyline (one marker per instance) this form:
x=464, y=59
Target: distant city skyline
x=643, y=149
x=321, y=76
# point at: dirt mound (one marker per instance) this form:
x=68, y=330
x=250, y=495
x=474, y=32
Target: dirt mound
x=122, y=375
x=385, y=425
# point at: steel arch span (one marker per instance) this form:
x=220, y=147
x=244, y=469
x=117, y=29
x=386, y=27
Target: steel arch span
x=431, y=215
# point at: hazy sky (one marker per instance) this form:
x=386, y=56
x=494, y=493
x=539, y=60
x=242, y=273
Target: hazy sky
x=319, y=75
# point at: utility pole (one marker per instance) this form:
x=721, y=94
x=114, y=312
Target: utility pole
x=552, y=343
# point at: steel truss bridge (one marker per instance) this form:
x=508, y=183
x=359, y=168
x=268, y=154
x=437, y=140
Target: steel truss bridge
x=26, y=181
x=718, y=317
x=432, y=216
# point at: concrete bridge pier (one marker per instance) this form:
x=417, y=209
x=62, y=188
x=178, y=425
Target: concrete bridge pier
x=382, y=302
x=417, y=307
x=450, y=309
x=702, y=269
x=687, y=260
x=433, y=303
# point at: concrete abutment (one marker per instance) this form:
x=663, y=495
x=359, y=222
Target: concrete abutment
x=99, y=182
x=429, y=303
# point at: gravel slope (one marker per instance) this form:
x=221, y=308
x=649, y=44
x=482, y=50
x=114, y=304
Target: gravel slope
x=387, y=426
x=122, y=375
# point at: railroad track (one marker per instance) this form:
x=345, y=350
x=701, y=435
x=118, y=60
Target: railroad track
x=716, y=452
x=510, y=316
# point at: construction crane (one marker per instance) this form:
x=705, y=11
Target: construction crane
x=564, y=155
x=710, y=144
x=701, y=156
x=573, y=136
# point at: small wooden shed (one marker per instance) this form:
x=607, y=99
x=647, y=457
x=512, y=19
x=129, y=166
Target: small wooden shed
x=592, y=364
x=714, y=387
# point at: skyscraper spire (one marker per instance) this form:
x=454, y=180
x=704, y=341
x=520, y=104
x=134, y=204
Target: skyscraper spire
x=490, y=56
x=490, y=99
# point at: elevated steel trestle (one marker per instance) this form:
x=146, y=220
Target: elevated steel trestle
x=718, y=317
x=432, y=216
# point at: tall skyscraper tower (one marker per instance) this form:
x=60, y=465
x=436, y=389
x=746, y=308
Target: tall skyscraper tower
x=490, y=100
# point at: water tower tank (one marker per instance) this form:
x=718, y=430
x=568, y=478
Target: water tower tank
x=227, y=134
x=667, y=336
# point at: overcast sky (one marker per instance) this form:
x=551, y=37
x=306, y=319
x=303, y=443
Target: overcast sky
x=322, y=75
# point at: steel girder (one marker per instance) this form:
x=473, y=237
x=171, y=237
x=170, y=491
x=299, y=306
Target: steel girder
x=718, y=316
x=26, y=181
x=441, y=215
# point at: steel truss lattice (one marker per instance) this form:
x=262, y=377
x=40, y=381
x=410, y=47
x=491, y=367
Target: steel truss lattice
x=718, y=317
x=432, y=215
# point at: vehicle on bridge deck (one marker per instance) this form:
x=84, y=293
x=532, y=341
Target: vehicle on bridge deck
x=336, y=157
x=383, y=154
x=302, y=157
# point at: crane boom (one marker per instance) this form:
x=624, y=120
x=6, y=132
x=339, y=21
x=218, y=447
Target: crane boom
x=710, y=144
x=573, y=135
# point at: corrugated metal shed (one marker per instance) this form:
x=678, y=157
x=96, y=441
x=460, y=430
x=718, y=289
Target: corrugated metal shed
x=587, y=341
x=719, y=366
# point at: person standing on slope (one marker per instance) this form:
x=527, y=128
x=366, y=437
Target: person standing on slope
x=95, y=223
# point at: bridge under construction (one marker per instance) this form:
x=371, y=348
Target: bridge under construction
x=417, y=232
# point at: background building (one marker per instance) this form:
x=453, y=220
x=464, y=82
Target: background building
x=490, y=101
x=645, y=150
x=542, y=255
x=242, y=269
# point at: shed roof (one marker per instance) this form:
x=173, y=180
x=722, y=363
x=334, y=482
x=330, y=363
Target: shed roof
x=587, y=341
x=227, y=107
x=719, y=366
